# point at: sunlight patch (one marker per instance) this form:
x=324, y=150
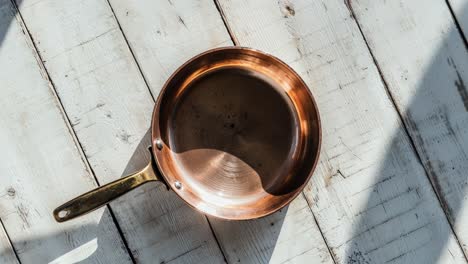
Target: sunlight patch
x=78, y=254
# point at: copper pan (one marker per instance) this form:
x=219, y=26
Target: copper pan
x=235, y=133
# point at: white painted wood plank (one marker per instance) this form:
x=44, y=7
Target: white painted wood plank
x=41, y=166
x=162, y=35
x=370, y=194
x=427, y=74
x=110, y=109
x=460, y=10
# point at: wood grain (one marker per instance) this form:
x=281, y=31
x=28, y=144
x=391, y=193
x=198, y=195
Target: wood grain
x=370, y=194
x=427, y=75
x=110, y=109
x=41, y=165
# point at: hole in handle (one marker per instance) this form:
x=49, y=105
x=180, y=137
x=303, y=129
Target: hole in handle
x=63, y=213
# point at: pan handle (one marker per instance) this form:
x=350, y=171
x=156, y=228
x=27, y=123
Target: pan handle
x=102, y=195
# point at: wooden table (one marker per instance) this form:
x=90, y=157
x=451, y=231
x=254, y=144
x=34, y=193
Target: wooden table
x=78, y=80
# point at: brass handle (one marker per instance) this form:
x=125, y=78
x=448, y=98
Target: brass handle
x=102, y=195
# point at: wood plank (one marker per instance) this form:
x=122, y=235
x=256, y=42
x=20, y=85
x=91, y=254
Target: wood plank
x=162, y=35
x=460, y=10
x=41, y=165
x=110, y=110
x=370, y=194
x=427, y=75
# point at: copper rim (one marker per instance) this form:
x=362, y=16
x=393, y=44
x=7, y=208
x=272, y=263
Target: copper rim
x=234, y=186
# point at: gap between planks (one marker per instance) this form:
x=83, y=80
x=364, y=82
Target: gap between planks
x=457, y=24
x=66, y=120
x=226, y=24
x=131, y=52
x=400, y=115
x=332, y=255
x=9, y=241
x=235, y=41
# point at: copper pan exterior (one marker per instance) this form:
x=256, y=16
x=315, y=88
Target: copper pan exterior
x=236, y=133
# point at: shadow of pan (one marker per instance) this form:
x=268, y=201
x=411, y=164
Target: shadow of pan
x=7, y=16
x=229, y=234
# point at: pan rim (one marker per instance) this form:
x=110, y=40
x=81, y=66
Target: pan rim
x=155, y=127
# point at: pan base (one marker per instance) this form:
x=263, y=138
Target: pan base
x=233, y=134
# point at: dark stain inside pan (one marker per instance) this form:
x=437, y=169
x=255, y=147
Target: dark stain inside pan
x=234, y=134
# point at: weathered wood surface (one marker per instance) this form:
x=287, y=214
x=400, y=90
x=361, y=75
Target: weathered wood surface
x=370, y=194
x=424, y=61
x=110, y=109
x=40, y=165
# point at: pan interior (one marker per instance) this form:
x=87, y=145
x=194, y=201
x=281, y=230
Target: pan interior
x=233, y=134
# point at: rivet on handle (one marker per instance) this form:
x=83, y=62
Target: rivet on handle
x=159, y=144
